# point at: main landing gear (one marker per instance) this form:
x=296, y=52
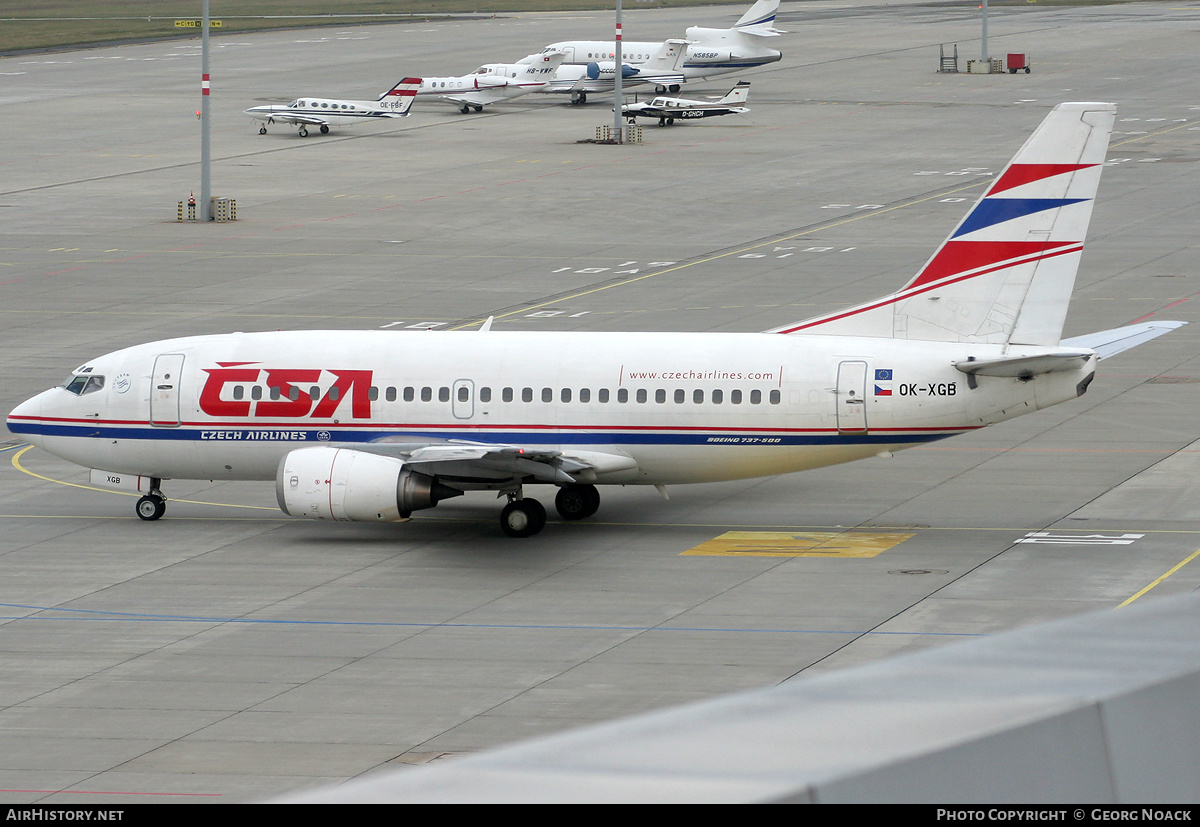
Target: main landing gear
x=524, y=517
x=578, y=98
x=152, y=506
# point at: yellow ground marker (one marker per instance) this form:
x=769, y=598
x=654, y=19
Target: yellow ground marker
x=799, y=544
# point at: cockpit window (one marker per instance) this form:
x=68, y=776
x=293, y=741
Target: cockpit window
x=82, y=384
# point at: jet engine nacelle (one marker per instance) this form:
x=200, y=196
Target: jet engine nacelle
x=699, y=53
x=326, y=483
x=595, y=70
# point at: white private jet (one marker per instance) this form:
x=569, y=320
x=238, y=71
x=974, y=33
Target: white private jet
x=663, y=67
x=493, y=82
x=327, y=112
x=668, y=109
x=710, y=52
x=374, y=425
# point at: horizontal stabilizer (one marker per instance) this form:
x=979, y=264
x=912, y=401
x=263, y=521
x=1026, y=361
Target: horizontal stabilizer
x=1111, y=342
x=1024, y=367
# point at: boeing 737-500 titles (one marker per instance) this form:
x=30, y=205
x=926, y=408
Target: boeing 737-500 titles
x=375, y=425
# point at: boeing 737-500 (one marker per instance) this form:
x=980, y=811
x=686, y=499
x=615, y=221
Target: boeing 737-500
x=374, y=425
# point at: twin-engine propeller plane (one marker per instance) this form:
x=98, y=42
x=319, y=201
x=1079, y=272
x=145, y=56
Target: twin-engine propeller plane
x=375, y=425
x=668, y=109
x=327, y=112
x=494, y=82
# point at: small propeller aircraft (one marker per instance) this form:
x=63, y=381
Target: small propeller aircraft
x=326, y=112
x=668, y=109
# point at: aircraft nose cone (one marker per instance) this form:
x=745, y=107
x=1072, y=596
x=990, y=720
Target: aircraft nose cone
x=25, y=419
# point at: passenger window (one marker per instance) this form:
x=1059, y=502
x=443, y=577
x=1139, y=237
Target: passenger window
x=526, y=394
x=680, y=396
x=443, y=394
x=463, y=393
x=238, y=391
x=426, y=394
x=698, y=397
x=774, y=397
x=585, y=395
x=660, y=396
x=275, y=392
x=294, y=392
x=334, y=393
x=547, y=394
x=623, y=395
x=507, y=394
x=565, y=395
x=717, y=396
x=485, y=394
x=410, y=393
x=735, y=397
x=314, y=393
x=390, y=394
x=256, y=392
x=602, y=395
x=641, y=395
x=755, y=397
x=373, y=394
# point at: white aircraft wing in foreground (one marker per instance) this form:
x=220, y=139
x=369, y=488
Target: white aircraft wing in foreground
x=494, y=82
x=375, y=425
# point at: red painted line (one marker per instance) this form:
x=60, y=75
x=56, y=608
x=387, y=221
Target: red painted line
x=1161, y=309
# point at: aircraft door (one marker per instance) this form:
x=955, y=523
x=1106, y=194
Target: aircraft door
x=462, y=399
x=852, y=397
x=164, y=390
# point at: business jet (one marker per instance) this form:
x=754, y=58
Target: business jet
x=375, y=425
x=668, y=109
x=710, y=52
x=326, y=112
x=493, y=82
x=661, y=66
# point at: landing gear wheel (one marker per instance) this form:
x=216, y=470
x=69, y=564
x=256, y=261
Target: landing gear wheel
x=662, y=121
x=576, y=502
x=262, y=130
x=523, y=518
x=670, y=121
x=674, y=88
x=303, y=132
x=324, y=129
x=151, y=507
x=478, y=108
x=464, y=109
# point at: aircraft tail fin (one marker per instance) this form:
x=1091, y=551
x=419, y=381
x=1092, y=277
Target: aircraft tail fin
x=738, y=94
x=667, y=58
x=760, y=19
x=1005, y=274
x=401, y=96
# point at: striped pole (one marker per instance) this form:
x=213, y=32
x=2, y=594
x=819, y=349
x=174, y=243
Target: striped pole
x=617, y=81
x=205, y=154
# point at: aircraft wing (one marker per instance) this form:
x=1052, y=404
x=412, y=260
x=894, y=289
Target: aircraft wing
x=1111, y=342
x=477, y=97
x=287, y=117
x=482, y=463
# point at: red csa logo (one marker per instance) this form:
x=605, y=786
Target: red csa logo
x=354, y=385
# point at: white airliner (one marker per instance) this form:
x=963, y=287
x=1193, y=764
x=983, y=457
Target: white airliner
x=374, y=425
x=327, y=112
x=668, y=109
x=710, y=52
x=494, y=82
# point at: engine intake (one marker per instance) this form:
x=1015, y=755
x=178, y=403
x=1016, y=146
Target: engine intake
x=325, y=483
